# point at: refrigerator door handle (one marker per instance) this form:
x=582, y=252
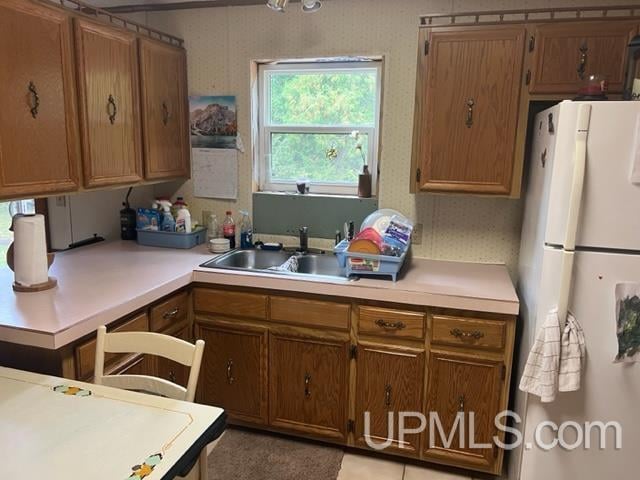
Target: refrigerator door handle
x=575, y=202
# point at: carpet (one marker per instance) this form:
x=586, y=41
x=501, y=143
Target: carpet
x=247, y=455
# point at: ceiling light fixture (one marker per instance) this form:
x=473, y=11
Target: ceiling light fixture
x=277, y=5
x=311, y=5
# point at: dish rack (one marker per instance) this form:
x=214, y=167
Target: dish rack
x=356, y=263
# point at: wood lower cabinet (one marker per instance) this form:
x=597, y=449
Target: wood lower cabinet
x=39, y=144
x=234, y=369
x=141, y=365
x=308, y=385
x=565, y=54
x=173, y=371
x=389, y=379
x=467, y=109
x=163, y=83
x=109, y=104
x=467, y=387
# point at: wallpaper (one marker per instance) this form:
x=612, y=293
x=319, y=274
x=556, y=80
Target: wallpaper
x=222, y=42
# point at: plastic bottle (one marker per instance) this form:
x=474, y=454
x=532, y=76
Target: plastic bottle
x=167, y=223
x=246, y=231
x=177, y=205
x=229, y=230
x=183, y=222
x=212, y=227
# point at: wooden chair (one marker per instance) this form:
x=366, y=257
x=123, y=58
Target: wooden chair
x=149, y=343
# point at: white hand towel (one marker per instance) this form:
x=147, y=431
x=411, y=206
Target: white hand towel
x=572, y=352
x=540, y=376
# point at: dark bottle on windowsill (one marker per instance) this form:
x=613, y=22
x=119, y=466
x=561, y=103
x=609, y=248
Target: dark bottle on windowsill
x=364, y=183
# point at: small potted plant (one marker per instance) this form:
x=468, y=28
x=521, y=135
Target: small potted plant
x=364, y=178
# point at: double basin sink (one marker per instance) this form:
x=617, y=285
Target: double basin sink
x=255, y=260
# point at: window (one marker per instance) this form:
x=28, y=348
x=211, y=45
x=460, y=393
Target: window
x=7, y=210
x=309, y=114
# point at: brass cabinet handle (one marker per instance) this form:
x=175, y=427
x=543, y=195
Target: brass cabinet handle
x=35, y=99
x=390, y=325
x=470, y=104
x=387, y=395
x=461, y=400
x=307, y=385
x=172, y=376
x=171, y=313
x=230, y=378
x=475, y=335
x=582, y=62
x=165, y=113
x=112, y=110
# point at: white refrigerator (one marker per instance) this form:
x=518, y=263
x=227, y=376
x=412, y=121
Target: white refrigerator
x=590, y=149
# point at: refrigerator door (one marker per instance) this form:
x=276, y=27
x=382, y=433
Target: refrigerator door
x=609, y=217
x=610, y=392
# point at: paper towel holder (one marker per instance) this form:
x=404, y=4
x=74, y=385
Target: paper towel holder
x=51, y=283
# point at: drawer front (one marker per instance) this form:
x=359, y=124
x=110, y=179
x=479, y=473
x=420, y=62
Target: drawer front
x=469, y=332
x=86, y=353
x=312, y=313
x=170, y=312
x=391, y=323
x=239, y=304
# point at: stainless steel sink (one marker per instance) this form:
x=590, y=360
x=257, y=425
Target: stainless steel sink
x=309, y=264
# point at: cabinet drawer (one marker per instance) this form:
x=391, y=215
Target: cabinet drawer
x=391, y=323
x=86, y=353
x=240, y=304
x=310, y=313
x=472, y=332
x=168, y=313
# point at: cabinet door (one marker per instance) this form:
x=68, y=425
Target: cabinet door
x=388, y=379
x=567, y=53
x=467, y=113
x=308, y=382
x=234, y=370
x=173, y=371
x=109, y=109
x=39, y=149
x=164, y=110
x=468, y=387
x=141, y=365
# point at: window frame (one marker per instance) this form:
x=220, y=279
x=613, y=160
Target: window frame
x=266, y=128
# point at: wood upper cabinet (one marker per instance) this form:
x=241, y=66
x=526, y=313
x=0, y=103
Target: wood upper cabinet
x=464, y=385
x=565, y=54
x=308, y=385
x=234, y=369
x=109, y=104
x=164, y=110
x=39, y=145
x=388, y=379
x=467, y=106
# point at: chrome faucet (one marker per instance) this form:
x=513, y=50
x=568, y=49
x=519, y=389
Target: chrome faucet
x=304, y=239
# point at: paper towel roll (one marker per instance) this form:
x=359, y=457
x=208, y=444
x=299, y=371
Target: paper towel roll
x=30, y=250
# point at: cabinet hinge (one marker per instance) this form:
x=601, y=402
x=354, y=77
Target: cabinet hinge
x=527, y=79
x=426, y=47
x=353, y=351
x=504, y=372
x=418, y=175
x=532, y=43
x=351, y=426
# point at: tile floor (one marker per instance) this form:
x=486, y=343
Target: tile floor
x=362, y=467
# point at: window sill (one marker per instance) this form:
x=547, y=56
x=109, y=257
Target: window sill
x=315, y=195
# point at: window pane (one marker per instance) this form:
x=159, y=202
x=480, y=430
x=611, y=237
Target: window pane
x=6, y=237
x=318, y=157
x=316, y=98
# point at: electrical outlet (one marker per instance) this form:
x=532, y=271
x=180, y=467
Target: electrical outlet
x=61, y=201
x=416, y=236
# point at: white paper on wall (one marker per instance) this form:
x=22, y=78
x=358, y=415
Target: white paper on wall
x=215, y=173
x=635, y=155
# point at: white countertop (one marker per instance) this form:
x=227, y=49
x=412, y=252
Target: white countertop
x=101, y=283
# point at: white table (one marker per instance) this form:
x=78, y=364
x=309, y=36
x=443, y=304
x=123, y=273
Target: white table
x=48, y=431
